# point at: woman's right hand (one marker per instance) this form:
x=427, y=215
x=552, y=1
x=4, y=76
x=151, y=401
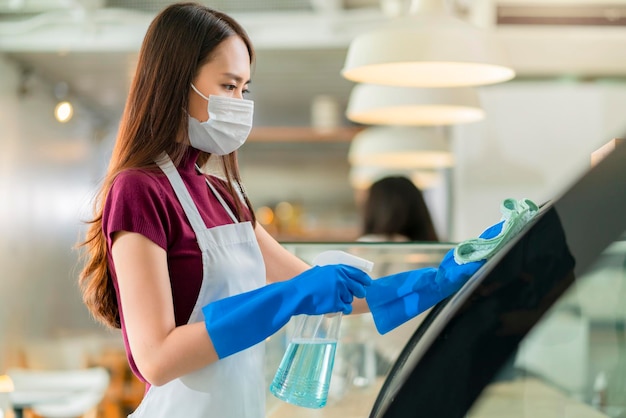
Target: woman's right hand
x=329, y=288
x=240, y=321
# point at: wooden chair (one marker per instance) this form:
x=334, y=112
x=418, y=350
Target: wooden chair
x=125, y=390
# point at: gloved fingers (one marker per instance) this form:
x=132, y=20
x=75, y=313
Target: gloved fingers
x=451, y=273
x=345, y=295
x=426, y=271
x=448, y=259
x=356, y=288
x=347, y=310
x=355, y=274
x=492, y=231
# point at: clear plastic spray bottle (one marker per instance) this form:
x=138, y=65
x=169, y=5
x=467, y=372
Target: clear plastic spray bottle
x=303, y=377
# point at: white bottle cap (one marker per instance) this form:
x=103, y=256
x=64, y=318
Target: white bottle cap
x=342, y=257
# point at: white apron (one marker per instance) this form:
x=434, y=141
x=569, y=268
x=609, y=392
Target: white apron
x=233, y=387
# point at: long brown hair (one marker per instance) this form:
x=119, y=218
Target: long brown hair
x=395, y=206
x=179, y=41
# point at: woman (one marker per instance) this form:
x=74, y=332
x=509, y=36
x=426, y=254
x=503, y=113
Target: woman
x=395, y=210
x=174, y=257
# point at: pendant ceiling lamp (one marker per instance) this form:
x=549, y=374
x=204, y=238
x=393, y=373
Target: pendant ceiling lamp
x=400, y=147
x=427, y=48
x=373, y=104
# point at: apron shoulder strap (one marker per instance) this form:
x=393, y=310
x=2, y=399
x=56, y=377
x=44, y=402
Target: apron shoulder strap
x=167, y=166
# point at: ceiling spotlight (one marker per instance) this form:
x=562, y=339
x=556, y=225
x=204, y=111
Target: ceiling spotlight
x=63, y=111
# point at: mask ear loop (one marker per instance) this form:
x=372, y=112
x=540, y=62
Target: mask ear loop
x=198, y=91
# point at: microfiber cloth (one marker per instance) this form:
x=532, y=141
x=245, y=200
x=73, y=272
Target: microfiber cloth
x=515, y=215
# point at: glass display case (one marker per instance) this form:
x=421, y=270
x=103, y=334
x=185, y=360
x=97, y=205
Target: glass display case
x=538, y=331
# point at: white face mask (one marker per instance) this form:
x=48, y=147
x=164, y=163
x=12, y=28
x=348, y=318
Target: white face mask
x=228, y=127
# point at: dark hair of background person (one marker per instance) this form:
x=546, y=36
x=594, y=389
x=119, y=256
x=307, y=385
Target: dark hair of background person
x=395, y=206
x=179, y=41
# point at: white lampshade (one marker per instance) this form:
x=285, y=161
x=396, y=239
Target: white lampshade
x=362, y=176
x=391, y=105
x=400, y=147
x=427, y=50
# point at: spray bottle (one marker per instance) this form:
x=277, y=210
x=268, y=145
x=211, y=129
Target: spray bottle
x=303, y=377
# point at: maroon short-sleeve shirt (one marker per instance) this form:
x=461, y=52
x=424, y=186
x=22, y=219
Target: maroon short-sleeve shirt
x=144, y=202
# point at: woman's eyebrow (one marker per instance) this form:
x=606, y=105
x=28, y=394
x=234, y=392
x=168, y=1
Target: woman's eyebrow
x=236, y=78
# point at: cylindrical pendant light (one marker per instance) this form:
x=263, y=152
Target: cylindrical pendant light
x=428, y=48
x=391, y=105
x=400, y=147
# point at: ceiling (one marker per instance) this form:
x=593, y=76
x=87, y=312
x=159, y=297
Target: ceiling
x=300, y=50
x=301, y=44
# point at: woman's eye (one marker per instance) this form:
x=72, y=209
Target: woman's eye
x=246, y=91
x=230, y=87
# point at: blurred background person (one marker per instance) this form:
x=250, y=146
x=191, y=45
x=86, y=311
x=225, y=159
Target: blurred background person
x=395, y=210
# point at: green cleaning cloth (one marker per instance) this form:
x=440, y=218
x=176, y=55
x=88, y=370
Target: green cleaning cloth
x=515, y=215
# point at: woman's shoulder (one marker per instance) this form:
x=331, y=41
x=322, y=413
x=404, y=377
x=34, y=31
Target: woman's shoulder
x=138, y=184
x=138, y=178
x=138, y=175
x=137, y=203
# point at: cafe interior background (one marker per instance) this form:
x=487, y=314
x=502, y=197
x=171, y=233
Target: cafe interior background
x=301, y=165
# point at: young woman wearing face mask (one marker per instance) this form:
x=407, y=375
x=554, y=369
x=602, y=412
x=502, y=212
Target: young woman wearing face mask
x=174, y=257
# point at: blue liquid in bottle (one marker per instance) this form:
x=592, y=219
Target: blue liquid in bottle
x=303, y=377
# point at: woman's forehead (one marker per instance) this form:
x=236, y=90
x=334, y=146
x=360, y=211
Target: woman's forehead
x=231, y=56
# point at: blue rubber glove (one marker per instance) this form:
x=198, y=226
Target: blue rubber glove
x=451, y=276
x=241, y=321
x=396, y=298
x=393, y=301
